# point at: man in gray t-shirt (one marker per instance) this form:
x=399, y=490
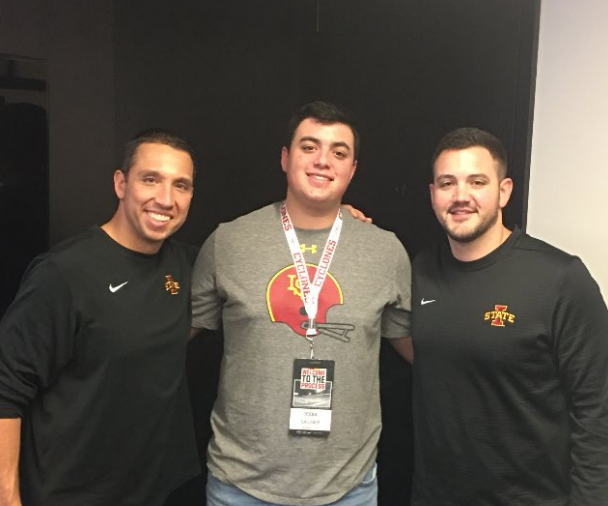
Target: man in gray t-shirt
x=304, y=294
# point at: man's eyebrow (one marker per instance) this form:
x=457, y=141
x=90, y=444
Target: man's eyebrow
x=341, y=144
x=479, y=175
x=185, y=180
x=157, y=173
x=445, y=176
x=310, y=138
x=149, y=172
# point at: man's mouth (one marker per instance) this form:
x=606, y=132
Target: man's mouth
x=158, y=216
x=460, y=211
x=319, y=177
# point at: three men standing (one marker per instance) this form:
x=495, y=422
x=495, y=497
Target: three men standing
x=510, y=383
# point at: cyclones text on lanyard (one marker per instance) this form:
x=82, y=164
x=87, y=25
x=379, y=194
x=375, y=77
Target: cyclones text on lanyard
x=310, y=291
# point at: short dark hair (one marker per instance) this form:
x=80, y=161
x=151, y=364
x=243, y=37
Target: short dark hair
x=156, y=136
x=325, y=113
x=468, y=137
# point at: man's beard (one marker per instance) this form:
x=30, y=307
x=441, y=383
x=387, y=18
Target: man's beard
x=470, y=235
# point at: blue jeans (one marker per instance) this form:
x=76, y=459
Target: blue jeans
x=224, y=494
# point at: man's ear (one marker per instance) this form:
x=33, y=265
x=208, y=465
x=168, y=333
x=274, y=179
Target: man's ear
x=506, y=188
x=352, y=174
x=120, y=181
x=284, y=157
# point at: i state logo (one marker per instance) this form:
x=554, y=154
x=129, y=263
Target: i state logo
x=499, y=316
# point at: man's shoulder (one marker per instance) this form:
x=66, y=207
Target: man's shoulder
x=429, y=257
x=539, y=250
x=368, y=241
x=64, y=257
x=369, y=231
x=183, y=250
x=263, y=217
x=533, y=249
x=75, y=247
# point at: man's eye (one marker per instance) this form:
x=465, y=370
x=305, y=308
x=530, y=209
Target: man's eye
x=445, y=184
x=479, y=182
x=182, y=186
x=149, y=180
x=340, y=154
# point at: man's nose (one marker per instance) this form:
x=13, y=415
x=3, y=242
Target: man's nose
x=461, y=192
x=164, y=195
x=323, y=158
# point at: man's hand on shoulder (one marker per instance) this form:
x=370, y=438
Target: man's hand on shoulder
x=356, y=213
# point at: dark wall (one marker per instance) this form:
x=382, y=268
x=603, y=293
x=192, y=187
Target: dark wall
x=23, y=27
x=81, y=106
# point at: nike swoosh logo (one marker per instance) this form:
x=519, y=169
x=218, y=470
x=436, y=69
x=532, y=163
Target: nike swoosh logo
x=423, y=302
x=116, y=288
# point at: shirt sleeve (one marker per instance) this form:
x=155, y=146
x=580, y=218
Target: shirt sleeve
x=581, y=330
x=396, y=317
x=206, y=301
x=36, y=337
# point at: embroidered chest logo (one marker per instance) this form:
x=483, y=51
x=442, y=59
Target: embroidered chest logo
x=499, y=316
x=284, y=302
x=171, y=285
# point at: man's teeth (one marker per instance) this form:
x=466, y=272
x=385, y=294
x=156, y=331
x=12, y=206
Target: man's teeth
x=159, y=217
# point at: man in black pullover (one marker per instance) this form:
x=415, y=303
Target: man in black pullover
x=511, y=351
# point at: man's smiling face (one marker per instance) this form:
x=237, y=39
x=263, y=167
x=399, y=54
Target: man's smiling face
x=319, y=164
x=467, y=193
x=154, y=196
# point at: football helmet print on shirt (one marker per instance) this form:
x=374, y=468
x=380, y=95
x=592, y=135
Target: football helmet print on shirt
x=284, y=302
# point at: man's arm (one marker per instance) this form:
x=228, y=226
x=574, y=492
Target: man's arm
x=206, y=301
x=403, y=346
x=581, y=334
x=10, y=436
x=397, y=315
x=36, y=342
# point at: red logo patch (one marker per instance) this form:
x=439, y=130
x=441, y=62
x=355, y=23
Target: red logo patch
x=499, y=316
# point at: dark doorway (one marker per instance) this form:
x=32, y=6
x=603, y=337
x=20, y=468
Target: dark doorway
x=24, y=189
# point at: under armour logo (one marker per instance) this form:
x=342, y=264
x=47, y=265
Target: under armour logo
x=312, y=249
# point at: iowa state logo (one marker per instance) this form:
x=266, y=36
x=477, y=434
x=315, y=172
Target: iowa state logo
x=499, y=316
x=284, y=302
x=171, y=285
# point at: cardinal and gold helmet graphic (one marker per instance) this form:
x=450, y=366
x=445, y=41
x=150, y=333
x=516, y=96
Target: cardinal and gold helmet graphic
x=284, y=302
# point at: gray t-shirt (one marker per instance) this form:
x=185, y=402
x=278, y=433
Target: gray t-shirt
x=244, y=277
